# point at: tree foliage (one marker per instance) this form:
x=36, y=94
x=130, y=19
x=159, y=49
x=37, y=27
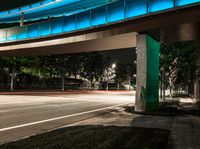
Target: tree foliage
x=87, y=66
x=179, y=64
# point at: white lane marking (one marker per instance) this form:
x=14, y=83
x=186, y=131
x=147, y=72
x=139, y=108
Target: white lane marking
x=58, y=118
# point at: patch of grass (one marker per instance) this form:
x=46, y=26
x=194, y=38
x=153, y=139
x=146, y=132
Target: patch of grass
x=95, y=137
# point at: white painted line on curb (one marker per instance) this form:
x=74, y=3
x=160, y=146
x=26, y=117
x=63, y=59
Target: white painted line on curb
x=58, y=118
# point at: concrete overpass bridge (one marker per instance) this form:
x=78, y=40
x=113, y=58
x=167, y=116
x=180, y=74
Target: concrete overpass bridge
x=121, y=24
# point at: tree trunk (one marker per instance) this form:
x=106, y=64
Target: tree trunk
x=91, y=85
x=161, y=89
x=12, y=80
x=129, y=83
x=107, y=86
x=63, y=83
x=170, y=91
x=118, y=86
x=196, y=90
x=187, y=90
x=164, y=91
x=170, y=87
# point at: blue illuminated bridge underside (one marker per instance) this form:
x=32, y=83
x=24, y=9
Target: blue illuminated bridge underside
x=109, y=13
x=50, y=8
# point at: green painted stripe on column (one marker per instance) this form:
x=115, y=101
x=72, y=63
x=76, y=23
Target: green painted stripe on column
x=152, y=80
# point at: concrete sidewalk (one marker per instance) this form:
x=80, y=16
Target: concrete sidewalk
x=184, y=127
x=185, y=131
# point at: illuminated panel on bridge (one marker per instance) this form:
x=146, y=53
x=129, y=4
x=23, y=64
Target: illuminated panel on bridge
x=83, y=20
x=185, y=2
x=57, y=26
x=44, y=28
x=22, y=32
x=103, y=15
x=52, y=8
x=33, y=31
x=135, y=8
x=98, y=16
x=115, y=11
x=3, y=35
x=157, y=5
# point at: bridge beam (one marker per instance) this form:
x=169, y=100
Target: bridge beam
x=98, y=41
x=147, y=73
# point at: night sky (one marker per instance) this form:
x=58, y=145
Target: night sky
x=9, y=4
x=122, y=55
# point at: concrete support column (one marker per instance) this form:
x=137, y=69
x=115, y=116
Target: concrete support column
x=147, y=92
x=22, y=19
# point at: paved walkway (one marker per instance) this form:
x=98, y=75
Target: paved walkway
x=185, y=131
x=184, y=126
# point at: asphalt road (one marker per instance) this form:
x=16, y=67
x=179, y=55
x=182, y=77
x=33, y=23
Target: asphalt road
x=24, y=115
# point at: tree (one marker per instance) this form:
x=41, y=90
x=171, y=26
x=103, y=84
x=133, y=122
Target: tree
x=67, y=65
x=13, y=64
x=109, y=74
x=61, y=69
x=178, y=65
x=48, y=65
x=93, y=67
x=121, y=73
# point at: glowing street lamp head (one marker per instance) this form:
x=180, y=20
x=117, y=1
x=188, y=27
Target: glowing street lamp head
x=113, y=65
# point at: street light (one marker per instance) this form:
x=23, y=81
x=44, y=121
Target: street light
x=114, y=65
